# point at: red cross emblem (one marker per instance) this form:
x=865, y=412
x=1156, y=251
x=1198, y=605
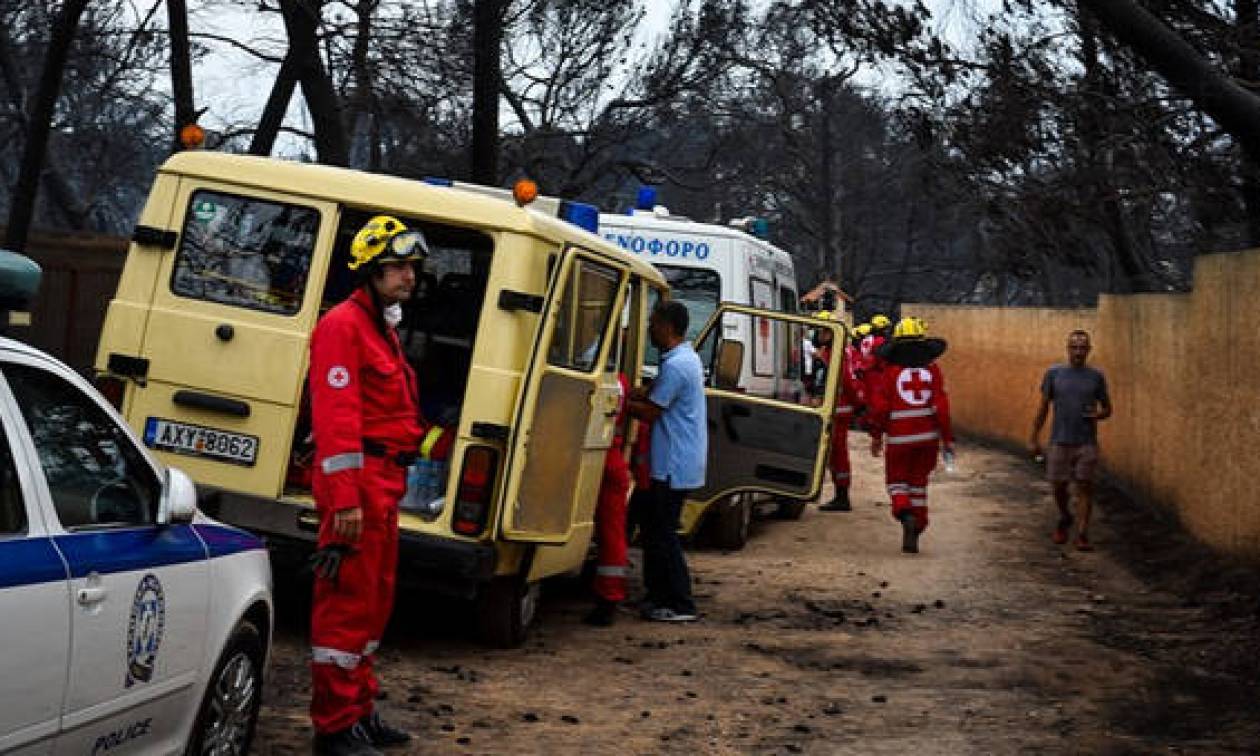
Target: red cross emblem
x=915, y=386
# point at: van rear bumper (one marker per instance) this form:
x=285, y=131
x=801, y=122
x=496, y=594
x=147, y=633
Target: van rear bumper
x=426, y=562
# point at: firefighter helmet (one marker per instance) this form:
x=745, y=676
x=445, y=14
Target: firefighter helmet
x=910, y=328
x=386, y=239
x=824, y=315
x=863, y=330
x=880, y=322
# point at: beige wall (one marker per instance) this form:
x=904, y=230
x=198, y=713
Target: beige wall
x=1183, y=371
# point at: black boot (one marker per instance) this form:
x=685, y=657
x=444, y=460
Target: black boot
x=909, y=534
x=352, y=741
x=602, y=615
x=381, y=734
x=838, y=503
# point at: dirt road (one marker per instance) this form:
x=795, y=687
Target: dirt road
x=821, y=637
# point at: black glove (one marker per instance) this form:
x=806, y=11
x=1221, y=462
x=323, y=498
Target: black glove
x=326, y=562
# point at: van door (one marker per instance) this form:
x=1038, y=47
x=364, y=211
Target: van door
x=226, y=342
x=568, y=404
x=760, y=442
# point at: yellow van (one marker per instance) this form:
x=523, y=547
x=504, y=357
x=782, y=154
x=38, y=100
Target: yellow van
x=518, y=327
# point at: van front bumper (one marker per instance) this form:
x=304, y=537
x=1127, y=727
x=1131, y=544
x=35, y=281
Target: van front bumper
x=426, y=562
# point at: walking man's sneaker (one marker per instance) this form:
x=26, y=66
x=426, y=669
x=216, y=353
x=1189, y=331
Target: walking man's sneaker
x=1061, y=532
x=665, y=614
x=380, y=733
x=838, y=503
x=909, y=533
x=352, y=741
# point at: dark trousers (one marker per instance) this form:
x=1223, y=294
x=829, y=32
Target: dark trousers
x=665, y=573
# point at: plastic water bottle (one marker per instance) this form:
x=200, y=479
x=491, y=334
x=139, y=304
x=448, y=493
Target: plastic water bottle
x=950, y=466
x=412, y=500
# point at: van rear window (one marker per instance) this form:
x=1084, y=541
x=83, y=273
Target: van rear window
x=245, y=252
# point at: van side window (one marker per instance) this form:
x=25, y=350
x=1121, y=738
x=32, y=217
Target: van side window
x=245, y=252
x=583, y=317
x=95, y=474
x=700, y=289
x=12, y=507
x=787, y=300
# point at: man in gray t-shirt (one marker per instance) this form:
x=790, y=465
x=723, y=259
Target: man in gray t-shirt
x=1080, y=399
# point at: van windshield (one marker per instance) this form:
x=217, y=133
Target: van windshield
x=700, y=289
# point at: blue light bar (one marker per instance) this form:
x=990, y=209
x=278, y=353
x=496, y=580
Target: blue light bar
x=437, y=181
x=580, y=214
x=646, y=199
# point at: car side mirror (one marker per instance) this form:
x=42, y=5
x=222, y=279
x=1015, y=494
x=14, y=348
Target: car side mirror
x=730, y=361
x=178, y=504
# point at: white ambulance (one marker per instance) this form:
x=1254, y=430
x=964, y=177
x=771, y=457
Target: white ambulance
x=705, y=264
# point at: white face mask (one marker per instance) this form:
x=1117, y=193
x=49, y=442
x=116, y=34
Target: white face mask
x=393, y=315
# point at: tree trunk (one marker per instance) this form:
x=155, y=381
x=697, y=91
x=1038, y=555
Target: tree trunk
x=487, y=57
x=40, y=125
x=828, y=255
x=363, y=152
x=301, y=21
x=277, y=105
x=1233, y=107
x=181, y=68
x=1247, y=27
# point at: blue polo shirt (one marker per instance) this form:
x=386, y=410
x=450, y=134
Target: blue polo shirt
x=680, y=437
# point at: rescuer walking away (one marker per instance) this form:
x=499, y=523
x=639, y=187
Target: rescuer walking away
x=679, y=447
x=1080, y=399
x=366, y=424
x=910, y=406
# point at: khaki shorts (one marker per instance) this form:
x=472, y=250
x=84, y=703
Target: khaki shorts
x=1066, y=462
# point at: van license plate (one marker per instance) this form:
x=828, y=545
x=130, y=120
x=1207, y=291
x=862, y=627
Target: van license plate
x=182, y=438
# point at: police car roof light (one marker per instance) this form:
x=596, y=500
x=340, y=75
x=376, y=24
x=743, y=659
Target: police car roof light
x=581, y=215
x=646, y=198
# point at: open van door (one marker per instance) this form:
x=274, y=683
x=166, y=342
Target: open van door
x=568, y=406
x=765, y=439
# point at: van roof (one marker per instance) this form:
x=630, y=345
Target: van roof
x=680, y=226
x=390, y=193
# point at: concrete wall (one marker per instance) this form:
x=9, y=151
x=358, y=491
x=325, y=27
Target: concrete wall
x=1184, y=373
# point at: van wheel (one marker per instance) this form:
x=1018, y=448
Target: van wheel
x=506, y=607
x=229, y=710
x=790, y=509
x=734, y=520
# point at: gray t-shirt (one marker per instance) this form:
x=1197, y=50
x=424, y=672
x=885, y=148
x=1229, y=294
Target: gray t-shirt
x=1072, y=390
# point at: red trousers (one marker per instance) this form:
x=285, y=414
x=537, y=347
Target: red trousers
x=349, y=616
x=838, y=456
x=612, y=564
x=906, y=470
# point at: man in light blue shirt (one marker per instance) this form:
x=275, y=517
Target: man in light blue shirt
x=676, y=409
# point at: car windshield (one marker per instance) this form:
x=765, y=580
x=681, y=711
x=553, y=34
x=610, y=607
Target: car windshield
x=699, y=289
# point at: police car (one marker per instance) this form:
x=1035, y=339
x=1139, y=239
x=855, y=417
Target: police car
x=129, y=622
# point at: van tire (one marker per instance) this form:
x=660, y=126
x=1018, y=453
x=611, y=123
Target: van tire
x=732, y=523
x=506, y=607
x=791, y=509
x=238, y=671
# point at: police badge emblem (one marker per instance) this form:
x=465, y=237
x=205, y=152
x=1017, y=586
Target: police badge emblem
x=144, y=630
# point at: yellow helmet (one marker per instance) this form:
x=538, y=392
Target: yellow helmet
x=824, y=315
x=863, y=330
x=386, y=239
x=910, y=328
x=879, y=322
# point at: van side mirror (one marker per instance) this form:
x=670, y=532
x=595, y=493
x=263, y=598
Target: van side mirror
x=730, y=362
x=178, y=504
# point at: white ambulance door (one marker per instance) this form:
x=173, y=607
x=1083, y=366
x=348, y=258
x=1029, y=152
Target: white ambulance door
x=139, y=591
x=759, y=442
x=34, y=605
x=568, y=404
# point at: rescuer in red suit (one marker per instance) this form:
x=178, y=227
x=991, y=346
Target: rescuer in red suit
x=612, y=561
x=367, y=425
x=909, y=422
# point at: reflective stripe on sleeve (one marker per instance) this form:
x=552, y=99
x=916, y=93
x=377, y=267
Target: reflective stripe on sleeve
x=343, y=659
x=844, y=409
x=341, y=462
x=608, y=570
x=920, y=412
x=914, y=438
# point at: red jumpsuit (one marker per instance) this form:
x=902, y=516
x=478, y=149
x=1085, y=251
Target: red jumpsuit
x=612, y=565
x=910, y=405
x=364, y=413
x=846, y=404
